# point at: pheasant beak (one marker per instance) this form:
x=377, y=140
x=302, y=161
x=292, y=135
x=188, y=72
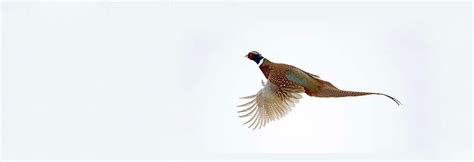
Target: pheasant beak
x=248, y=56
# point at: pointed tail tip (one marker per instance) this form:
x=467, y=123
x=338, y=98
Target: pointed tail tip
x=396, y=101
x=399, y=104
x=392, y=98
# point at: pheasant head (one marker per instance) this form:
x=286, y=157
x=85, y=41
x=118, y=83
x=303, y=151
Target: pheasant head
x=255, y=56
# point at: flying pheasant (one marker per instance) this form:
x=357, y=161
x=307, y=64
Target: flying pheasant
x=282, y=91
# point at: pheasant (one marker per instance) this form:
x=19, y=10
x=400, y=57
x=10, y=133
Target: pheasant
x=284, y=86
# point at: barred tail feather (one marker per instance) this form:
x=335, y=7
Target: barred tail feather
x=332, y=92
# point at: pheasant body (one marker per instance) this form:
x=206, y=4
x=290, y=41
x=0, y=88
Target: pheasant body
x=282, y=90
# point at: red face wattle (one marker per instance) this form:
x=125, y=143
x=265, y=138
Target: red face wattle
x=250, y=56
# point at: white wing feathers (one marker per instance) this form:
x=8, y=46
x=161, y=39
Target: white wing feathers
x=270, y=103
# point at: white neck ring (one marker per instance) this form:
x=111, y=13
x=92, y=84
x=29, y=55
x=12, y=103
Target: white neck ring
x=261, y=62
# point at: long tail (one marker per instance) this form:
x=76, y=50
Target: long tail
x=333, y=92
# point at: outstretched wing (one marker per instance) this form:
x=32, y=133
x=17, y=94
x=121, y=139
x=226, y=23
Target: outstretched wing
x=270, y=103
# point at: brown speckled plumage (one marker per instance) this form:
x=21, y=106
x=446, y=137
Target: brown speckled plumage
x=282, y=90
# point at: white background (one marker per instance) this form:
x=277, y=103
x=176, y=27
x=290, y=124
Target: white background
x=162, y=80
